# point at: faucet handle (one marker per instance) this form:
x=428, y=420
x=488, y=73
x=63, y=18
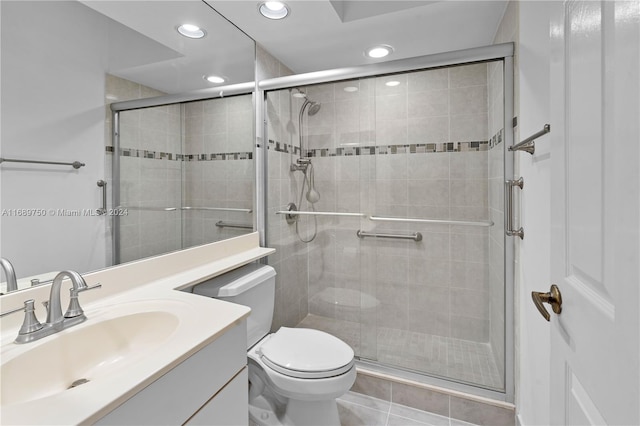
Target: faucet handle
x=74, y=309
x=30, y=323
x=93, y=287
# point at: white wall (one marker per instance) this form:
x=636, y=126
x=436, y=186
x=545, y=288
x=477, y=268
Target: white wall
x=533, y=260
x=52, y=109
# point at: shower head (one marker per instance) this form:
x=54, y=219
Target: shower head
x=314, y=107
x=298, y=93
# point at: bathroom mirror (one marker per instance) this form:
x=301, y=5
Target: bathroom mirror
x=62, y=63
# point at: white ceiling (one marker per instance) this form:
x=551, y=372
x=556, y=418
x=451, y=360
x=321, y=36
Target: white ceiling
x=323, y=34
x=161, y=58
x=317, y=35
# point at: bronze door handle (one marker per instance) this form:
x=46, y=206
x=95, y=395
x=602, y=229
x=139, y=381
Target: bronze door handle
x=553, y=297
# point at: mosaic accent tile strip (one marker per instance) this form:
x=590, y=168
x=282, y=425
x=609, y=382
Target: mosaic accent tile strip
x=158, y=155
x=283, y=147
x=384, y=149
x=496, y=139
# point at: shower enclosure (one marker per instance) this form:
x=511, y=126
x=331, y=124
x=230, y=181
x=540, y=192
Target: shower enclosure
x=184, y=173
x=385, y=203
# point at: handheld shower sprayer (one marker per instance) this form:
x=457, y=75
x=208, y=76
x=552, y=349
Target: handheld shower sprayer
x=312, y=196
x=304, y=164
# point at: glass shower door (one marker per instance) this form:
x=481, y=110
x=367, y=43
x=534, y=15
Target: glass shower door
x=402, y=255
x=439, y=270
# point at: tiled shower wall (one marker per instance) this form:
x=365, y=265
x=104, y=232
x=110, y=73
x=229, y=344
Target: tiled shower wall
x=218, y=168
x=417, y=149
x=437, y=286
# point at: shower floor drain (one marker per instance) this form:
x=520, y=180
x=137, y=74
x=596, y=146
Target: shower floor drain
x=78, y=383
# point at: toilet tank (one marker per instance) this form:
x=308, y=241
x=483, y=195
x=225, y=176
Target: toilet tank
x=252, y=285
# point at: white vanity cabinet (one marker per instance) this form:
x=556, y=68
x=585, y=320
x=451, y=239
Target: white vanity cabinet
x=208, y=388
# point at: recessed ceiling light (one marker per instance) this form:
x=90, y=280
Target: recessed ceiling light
x=350, y=89
x=273, y=9
x=191, y=31
x=392, y=83
x=378, y=51
x=214, y=79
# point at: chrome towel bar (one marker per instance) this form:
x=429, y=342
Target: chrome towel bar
x=221, y=209
x=416, y=236
x=172, y=209
x=388, y=219
x=149, y=209
x=432, y=221
x=75, y=164
x=222, y=224
x=296, y=212
x=528, y=145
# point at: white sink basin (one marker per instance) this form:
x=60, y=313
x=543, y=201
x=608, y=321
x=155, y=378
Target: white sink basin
x=87, y=352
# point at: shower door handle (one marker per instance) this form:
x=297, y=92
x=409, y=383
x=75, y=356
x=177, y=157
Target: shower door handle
x=509, y=204
x=103, y=210
x=553, y=297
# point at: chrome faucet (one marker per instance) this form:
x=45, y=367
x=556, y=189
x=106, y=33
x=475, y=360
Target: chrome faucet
x=54, y=308
x=10, y=273
x=32, y=329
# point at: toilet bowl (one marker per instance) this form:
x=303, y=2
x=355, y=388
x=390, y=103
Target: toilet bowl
x=303, y=371
x=295, y=374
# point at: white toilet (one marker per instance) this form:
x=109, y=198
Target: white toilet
x=295, y=374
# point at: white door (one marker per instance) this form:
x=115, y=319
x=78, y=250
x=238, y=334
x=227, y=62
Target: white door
x=595, y=213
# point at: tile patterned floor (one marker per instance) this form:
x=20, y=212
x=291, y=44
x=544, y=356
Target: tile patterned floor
x=360, y=410
x=463, y=360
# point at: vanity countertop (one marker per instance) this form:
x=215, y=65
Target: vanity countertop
x=200, y=321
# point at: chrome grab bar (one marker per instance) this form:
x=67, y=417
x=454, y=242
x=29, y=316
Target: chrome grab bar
x=75, y=164
x=529, y=145
x=433, y=221
x=416, y=236
x=509, y=205
x=222, y=224
x=103, y=210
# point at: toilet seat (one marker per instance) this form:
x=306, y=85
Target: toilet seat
x=306, y=353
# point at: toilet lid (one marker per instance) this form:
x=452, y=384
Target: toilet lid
x=306, y=353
